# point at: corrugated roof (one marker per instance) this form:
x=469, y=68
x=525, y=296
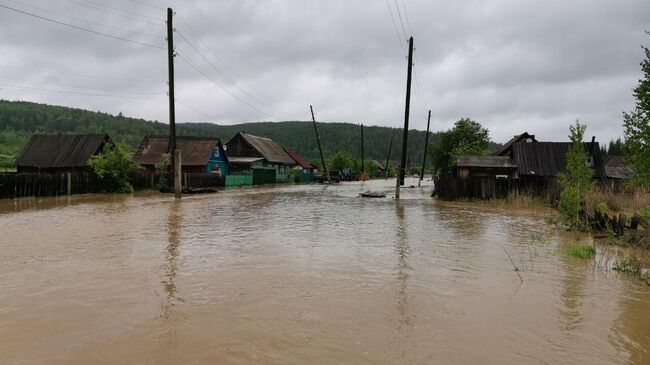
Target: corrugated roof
x=195, y=151
x=61, y=150
x=485, y=161
x=271, y=151
x=300, y=160
x=244, y=160
x=549, y=158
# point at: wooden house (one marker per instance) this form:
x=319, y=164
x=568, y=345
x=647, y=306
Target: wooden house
x=60, y=153
x=249, y=154
x=198, y=154
x=548, y=159
x=486, y=166
x=380, y=169
x=618, y=171
x=506, y=150
x=302, y=164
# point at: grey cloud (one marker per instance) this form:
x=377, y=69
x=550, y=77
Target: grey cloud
x=511, y=65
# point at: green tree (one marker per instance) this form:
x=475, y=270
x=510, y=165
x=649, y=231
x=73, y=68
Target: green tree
x=113, y=166
x=576, y=181
x=466, y=138
x=637, y=128
x=342, y=160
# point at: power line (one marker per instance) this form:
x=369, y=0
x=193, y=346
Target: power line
x=195, y=109
x=399, y=14
x=233, y=71
x=224, y=75
x=82, y=75
x=78, y=87
x=122, y=10
x=45, y=90
x=80, y=28
x=149, y=5
x=399, y=38
x=85, y=21
x=114, y=13
x=224, y=88
x=406, y=15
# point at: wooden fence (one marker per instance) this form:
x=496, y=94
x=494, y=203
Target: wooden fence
x=491, y=188
x=14, y=185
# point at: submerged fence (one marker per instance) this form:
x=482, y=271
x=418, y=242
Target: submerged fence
x=490, y=188
x=14, y=185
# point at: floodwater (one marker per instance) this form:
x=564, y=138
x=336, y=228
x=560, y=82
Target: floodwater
x=304, y=275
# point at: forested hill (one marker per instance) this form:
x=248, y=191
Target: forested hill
x=19, y=120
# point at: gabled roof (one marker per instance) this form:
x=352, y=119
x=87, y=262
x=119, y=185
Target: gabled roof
x=485, y=161
x=549, y=158
x=271, y=151
x=615, y=161
x=300, y=160
x=61, y=151
x=195, y=151
x=505, y=150
x=378, y=164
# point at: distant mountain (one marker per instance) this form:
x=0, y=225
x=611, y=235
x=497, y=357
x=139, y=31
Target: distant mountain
x=19, y=120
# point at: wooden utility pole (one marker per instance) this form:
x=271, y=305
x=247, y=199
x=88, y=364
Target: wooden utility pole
x=172, y=110
x=390, y=147
x=402, y=171
x=320, y=150
x=426, y=146
x=363, y=162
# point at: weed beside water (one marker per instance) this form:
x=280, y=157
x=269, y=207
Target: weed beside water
x=581, y=251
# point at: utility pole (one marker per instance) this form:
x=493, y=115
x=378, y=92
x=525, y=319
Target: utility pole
x=322, y=159
x=426, y=146
x=402, y=170
x=363, y=162
x=390, y=147
x=172, y=111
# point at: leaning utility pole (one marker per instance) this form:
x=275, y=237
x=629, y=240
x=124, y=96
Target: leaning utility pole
x=426, y=146
x=402, y=170
x=363, y=163
x=390, y=146
x=322, y=159
x=172, y=111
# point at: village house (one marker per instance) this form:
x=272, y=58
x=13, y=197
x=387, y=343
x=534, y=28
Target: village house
x=199, y=155
x=486, y=166
x=380, y=169
x=60, y=153
x=618, y=171
x=301, y=164
x=260, y=157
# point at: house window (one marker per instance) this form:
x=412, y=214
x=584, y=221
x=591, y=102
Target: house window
x=590, y=161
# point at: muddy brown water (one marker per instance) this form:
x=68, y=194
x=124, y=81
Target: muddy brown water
x=304, y=275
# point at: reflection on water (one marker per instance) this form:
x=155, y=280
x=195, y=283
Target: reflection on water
x=303, y=274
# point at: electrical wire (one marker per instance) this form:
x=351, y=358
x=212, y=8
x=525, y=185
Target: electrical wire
x=77, y=87
x=73, y=92
x=82, y=75
x=149, y=5
x=195, y=109
x=114, y=13
x=184, y=59
x=81, y=28
x=122, y=10
x=86, y=21
x=406, y=16
x=399, y=37
x=224, y=75
x=399, y=14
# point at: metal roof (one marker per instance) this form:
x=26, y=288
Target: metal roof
x=61, y=151
x=300, y=160
x=271, y=151
x=549, y=158
x=195, y=151
x=244, y=160
x=485, y=161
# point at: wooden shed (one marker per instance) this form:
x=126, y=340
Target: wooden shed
x=302, y=163
x=198, y=154
x=60, y=152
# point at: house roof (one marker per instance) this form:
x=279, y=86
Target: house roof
x=271, y=151
x=505, y=150
x=616, y=168
x=378, y=164
x=485, y=161
x=300, y=160
x=195, y=151
x=549, y=158
x=61, y=151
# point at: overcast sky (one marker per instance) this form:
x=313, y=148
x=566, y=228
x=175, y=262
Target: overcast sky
x=514, y=66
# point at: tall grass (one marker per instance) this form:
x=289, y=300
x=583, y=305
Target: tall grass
x=625, y=201
x=581, y=251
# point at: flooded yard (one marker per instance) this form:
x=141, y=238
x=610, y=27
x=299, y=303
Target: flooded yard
x=307, y=274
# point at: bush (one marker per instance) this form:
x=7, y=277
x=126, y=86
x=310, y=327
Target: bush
x=113, y=166
x=163, y=169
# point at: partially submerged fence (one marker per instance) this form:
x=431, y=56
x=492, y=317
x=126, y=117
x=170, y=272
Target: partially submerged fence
x=14, y=185
x=491, y=188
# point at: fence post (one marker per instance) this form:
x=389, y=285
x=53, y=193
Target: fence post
x=69, y=183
